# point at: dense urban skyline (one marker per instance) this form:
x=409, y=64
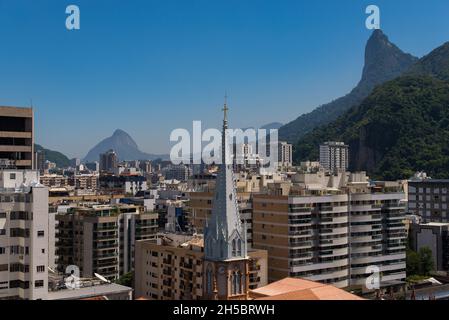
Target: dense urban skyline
x=167, y=64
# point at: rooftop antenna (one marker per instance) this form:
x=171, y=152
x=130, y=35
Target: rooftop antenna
x=99, y=276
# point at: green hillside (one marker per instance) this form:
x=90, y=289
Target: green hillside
x=54, y=156
x=400, y=128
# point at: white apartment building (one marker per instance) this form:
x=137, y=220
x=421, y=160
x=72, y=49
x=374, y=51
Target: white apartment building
x=24, y=244
x=331, y=227
x=285, y=154
x=334, y=156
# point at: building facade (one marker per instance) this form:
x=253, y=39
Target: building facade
x=334, y=156
x=16, y=138
x=108, y=161
x=332, y=235
x=24, y=231
x=171, y=268
x=429, y=199
x=285, y=154
x=101, y=238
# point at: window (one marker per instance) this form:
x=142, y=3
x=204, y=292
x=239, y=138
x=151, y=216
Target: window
x=40, y=268
x=40, y=233
x=38, y=283
x=12, y=176
x=2, y=250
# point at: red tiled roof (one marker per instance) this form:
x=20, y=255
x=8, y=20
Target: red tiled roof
x=301, y=289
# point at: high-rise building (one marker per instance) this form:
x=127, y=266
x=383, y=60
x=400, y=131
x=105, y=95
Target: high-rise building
x=16, y=138
x=429, y=199
x=24, y=232
x=108, y=161
x=101, y=238
x=331, y=228
x=285, y=154
x=334, y=156
x=435, y=236
x=39, y=159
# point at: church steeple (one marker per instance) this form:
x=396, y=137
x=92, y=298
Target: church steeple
x=225, y=243
x=225, y=236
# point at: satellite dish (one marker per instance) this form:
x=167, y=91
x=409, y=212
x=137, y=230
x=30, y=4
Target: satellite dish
x=101, y=278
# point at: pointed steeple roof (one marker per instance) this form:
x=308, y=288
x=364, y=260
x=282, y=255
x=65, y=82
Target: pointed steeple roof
x=225, y=236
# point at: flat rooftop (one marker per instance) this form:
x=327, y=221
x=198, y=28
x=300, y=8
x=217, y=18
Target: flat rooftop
x=88, y=292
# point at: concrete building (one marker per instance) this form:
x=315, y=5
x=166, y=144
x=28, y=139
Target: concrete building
x=201, y=209
x=101, y=238
x=54, y=180
x=285, y=154
x=171, y=268
x=429, y=199
x=435, y=236
x=179, y=172
x=334, y=156
x=329, y=228
x=16, y=138
x=24, y=232
x=84, y=181
x=108, y=161
x=39, y=160
x=123, y=184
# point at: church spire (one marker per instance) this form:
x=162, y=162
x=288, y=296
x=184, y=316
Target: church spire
x=225, y=237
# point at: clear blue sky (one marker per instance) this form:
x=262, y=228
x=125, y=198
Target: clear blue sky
x=150, y=66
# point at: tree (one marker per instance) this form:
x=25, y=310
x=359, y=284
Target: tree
x=426, y=262
x=126, y=280
x=413, y=263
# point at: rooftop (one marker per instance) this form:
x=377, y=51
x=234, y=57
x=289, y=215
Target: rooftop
x=88, y=292
x=301, y=289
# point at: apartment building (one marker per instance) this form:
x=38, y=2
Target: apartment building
x=285, y=154
x=84, y=181
x=200, y=204
x=24, y=231
x=429, y=199
x=334, y=156
x=123, y=184
x=435, y=236
x=101, y=238
x=330, y=228
x=54, y=180
x=108, y=161
x=171, y=268
x=16, y=137
x=378, y=232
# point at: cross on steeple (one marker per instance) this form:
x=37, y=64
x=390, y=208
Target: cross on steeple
x=225, y=107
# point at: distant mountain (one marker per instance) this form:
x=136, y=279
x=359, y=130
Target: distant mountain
x=125, y=147
x=54, y=156
x=272, y=125
x=384, y=61
x=401, y=128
